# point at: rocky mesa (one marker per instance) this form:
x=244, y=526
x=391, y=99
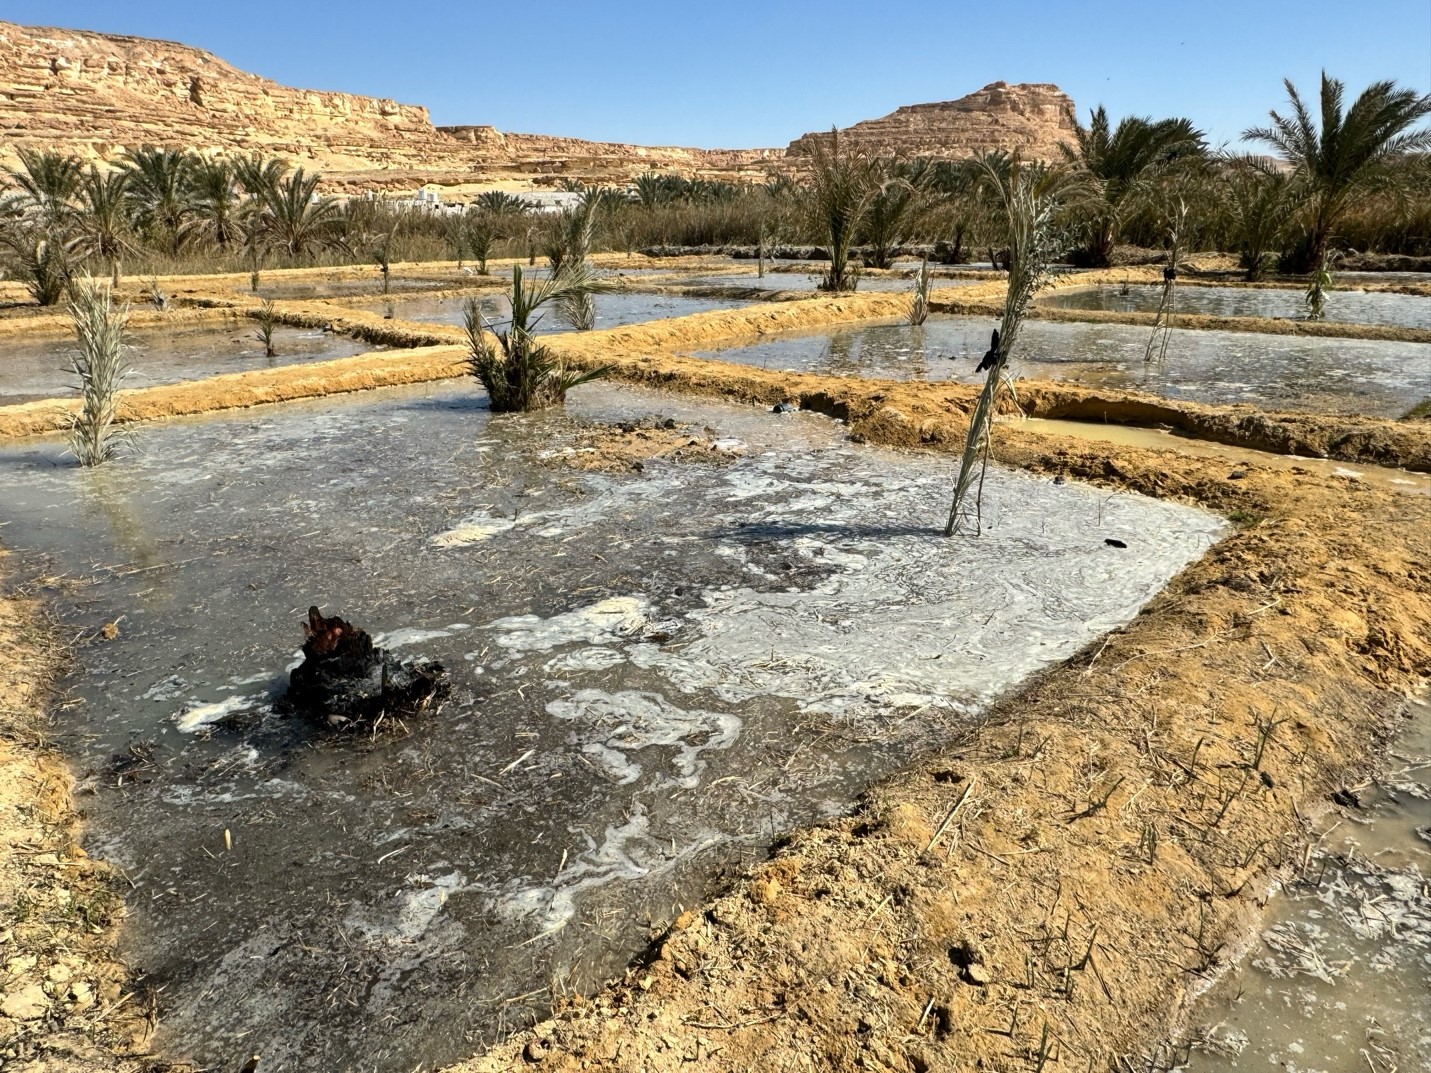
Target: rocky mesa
x=1033, y=118
x=96, y=94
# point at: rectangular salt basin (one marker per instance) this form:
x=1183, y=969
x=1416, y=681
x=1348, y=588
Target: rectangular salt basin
x=613, y=310
x=1378, y=378
x=1346, y=306
x=39, y=369
x=654, y=674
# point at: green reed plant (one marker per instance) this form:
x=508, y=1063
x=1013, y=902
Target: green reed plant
x=99, y=364
x=1030, y=195
x=919, y=304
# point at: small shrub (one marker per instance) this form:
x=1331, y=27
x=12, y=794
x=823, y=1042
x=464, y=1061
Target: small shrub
x=518, y=372
x=267, y=318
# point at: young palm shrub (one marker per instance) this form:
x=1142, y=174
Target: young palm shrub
x=844, y=182
x=1120, y=161
x=267, y=318
x=1030, y=196
x=100, y=366
x=518, y=372
x=919, y=304
x=567, y=249
x=1343, y=158
x=480, y=229
x=1257, y=202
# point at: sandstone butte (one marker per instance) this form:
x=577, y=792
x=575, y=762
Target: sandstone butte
x=97, y=94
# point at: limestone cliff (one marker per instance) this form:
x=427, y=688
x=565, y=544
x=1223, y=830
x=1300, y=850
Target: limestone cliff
x=1031, y=117
x=97, y=94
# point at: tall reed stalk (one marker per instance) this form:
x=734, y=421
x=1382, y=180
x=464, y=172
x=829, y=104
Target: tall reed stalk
x=919, y=304
x=1168, y=304
x=1029, y=195
x=99, y=364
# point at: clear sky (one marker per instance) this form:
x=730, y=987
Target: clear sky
x=742, y=74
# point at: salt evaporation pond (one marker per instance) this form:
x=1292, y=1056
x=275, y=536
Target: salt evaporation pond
x=613, y=310
x=40, y=368
x=1271, y=371
x=786, y=280
x=1346, y=306
x=1340, y=976
x=654, y=675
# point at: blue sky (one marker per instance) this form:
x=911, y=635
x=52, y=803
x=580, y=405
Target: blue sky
x=738, y=74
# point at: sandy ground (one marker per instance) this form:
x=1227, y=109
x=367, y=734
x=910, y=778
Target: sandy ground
x=1047, y=893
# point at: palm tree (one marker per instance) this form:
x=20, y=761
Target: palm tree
x=47, y=183
x=1121, y=161
x=296, y=220
x=893, y=211
x=213, y=191
x=955, y=185
x=518, y=373
x=1345, y=155
x=500, y=203
x=159, y=192
x=44, y=259
x=845, y=181
x=102, y=218
x=260, y=176
x=1257, y=200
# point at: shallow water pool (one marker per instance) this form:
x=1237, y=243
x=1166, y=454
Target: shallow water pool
x=654, y=674
x=1270, y=371
x=1346, y=306
x=40, y=369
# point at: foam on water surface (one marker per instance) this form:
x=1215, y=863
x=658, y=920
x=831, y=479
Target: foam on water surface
x=653, y=675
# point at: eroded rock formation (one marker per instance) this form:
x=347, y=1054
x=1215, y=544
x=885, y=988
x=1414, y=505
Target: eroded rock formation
x=98, y=94
x=1030, y=117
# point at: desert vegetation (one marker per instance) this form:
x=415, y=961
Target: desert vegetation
x=99, y=367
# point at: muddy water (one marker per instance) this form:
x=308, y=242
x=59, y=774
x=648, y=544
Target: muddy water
x=1340, y=977
x=39, y=369
x=277, y=287
x=1271, y=371
x=786, y=280
x=612, y=310
x=1346, y=306
x=654, y=673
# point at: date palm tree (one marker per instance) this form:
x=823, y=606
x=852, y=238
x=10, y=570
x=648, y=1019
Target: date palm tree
x=844, y=180
x=260, y=176
x=1257, y=201
x=1341, y=157
x=296, y=220
x=102, y=218
x=894, y=209
x=159, y=193
x=213, y=191
x=1120, y=161
x=46, y=184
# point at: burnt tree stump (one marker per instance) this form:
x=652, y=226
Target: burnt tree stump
x=346, y=682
